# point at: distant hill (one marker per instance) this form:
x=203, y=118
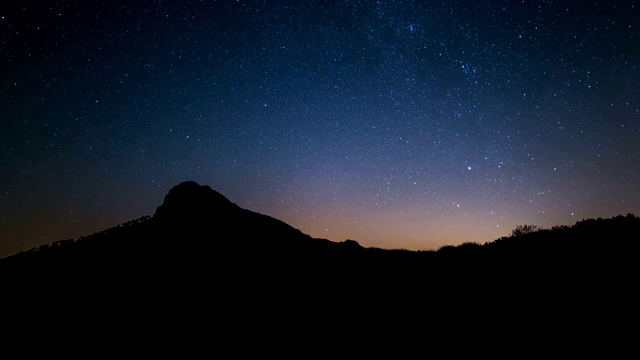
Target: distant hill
x=195, y=232
x=202, y=256
x=197, y=222
x=196, y=226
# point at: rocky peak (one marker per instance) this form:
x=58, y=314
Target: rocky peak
x=192, y=200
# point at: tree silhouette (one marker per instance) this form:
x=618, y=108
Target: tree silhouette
x=523, y=230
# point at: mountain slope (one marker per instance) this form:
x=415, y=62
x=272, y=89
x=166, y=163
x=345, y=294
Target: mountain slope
x=195, y=226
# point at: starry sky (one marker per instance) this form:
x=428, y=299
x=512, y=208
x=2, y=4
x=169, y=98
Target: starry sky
x=398, y=124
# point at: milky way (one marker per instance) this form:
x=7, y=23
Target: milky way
x=398, y=124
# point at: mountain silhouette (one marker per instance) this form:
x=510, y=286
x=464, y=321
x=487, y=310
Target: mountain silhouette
x=196, y=226
x=201, y=214
x=201, y=256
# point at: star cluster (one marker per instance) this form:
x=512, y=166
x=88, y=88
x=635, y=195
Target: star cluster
x=399, y=124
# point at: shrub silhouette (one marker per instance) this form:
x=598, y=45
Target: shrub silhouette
x=523, y=230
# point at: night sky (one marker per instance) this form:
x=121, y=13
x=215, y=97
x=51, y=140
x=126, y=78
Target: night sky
x=398, y=124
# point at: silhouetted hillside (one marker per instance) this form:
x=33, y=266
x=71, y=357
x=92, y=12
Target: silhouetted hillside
x=197, y=227
x=202, y=256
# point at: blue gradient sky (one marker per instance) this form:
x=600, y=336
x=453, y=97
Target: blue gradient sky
x=399, y=124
